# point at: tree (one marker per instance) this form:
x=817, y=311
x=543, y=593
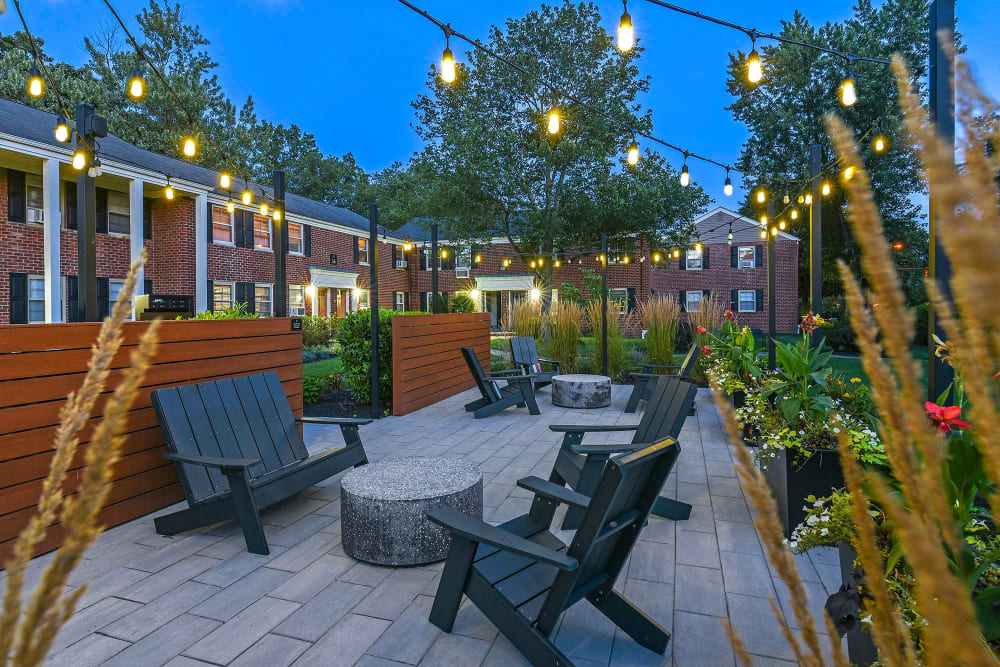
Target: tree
x=490, y=166
x=785, y=114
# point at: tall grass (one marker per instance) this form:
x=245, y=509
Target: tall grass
x=661, y=315
x=565, y=320
x=525, y=319
x=618, y=362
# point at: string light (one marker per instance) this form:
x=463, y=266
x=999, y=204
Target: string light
x=880, y=144
x=898, y=245
x=190, y=146
x=809, y=200
x=848, y=173
x=685, y=175
x=774, y=231
x=478, y=259
x=168, y=192
x=553, y=122
x=230, y=206
x=246, y=198
x=763, y=221
x=633, y=153
x=136, y=85
x=263, y=208
x=754, y=69
x=95, y=169
x=676, y=253
x=62, y=129
x=79, y=159
x=35, y=85
x=532, y=264
x=826, y=189
x=728, y=187
x=801, y=199
x=557, y=263
x=786, y=199
x=698, y=247
x=657, y=257
x=848, y=92
x=444, y=253
x=794, y=214
x=781, y=225
x=625, y=259
x=626, y=36
x=763, y=233
x=225, y=181
x=541, y=261
x=506, y=263
x=447, y=60
x=761, y=196
x=277, y=215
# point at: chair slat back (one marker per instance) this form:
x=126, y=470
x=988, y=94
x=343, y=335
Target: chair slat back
x=666, y=409
x=688, y=364
x=243, y=417
x=523, y=350
x=477, y=374
x=629, y=485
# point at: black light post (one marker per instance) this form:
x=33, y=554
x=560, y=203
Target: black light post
x=89, y=127
x=816, y=238
x=280, y=246
x=771, y=280
x=604, y=304
x=942, y=105
x=434, y=268
x=373, y=304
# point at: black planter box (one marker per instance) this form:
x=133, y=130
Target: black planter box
x=817, y=476
x=860, y=646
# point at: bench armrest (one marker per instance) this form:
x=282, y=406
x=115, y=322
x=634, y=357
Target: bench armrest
x=337, y=421
x=591, y=428
x=480, y=532
x=222, y=463
x=554, y=491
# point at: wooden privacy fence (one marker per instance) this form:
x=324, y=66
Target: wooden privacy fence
x=40, y=364
x=427, y=363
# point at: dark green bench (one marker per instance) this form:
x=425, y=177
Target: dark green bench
x=643, y=381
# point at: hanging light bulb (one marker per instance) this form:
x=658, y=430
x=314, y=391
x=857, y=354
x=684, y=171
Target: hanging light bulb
x=532, y=264
x=626, y=36
x=794, y=214
x=880, y=144
x=633, y=153
x=781, y=225
x=35, y=85
x=786, y=199
x=657, y=257
x=676, y=253
x=230, y=206
x=541, y=261
x=754, y=69
x=553, y=122
x=168, y=192
x=557, y=263
x=79, y=159
x=848, y=92
x=407, y=247
x=277, y=215
x=263, y=208
x=225, y=181
x=763, y=233
x=246, y=198
x=849, y=173
x=763, y=221
x=801, y=199
x=698, y=247
x=809, y=200
x=95, y=169
x=685, y=175
x=774, y=231
x=761, y=196
x=190, y=146
x=826, y=189
x=478, y=259
x=625, y=259
x=136, y=85
x=601, y=258
x=447, y=60
x=728, y=187
x=62, y=129
x=506, y=262
x=730, y=239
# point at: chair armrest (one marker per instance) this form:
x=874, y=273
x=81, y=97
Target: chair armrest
x=476, y=530
x=554, y=491
x=655, y=366
x=587, y=450
x=651, y=376
x=551, y=361
x=591, y=428
x=222, y=463
x=499, y=374
x=337, y=421
x=513, y=377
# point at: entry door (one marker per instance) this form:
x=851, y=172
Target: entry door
x=492, y=300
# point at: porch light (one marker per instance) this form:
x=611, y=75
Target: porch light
x=225, y=181
x=536, y=294
x=626, y=36
x=136, y=85
x=62, y=129
x=36, y=85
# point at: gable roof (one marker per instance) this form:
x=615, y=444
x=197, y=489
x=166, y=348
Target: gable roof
x=713, y=227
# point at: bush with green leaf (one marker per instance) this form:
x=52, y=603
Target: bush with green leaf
x=237, y=311
x=317, y=331
x=800, y=387
x=354, y=338
x=462, y=303
x=313, y=387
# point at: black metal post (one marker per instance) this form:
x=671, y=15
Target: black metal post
x=604, y=304
x=435, y=262
x=942, y=105
x=373, y=304
x=771, y=279
x=816, y=230
x=86, y=222
x=280, y=246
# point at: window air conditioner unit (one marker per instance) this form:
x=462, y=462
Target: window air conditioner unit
x=296, y=311
x=36, y=215
x=462, y=273
x=400, y=263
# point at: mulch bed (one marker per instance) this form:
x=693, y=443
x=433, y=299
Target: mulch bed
x=337, y=403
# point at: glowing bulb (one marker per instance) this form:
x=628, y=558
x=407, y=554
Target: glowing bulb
x=898, y=245
x=36, y=86
x=407, y=247
x=849, y=173
x=602, y=259
x=754, y=69
x=633, y=153
x=880, y=144
x=698, y=247
x=657, y=257
x=676, y=253
x=541, y=261
x=263, y=208
x=786, y=199
x=247, y=198
x=532, y=263
x=136, y=85
x=190, y=147
x=506, y=262
x=761, y=196
x=801, y=199
x=553, y=122
x=763, y=221
x=809, y=199
x=848, y=93
x=685, y=176
x=558, y=263
x=763, y=233
x=781, y=225
x=447, y=66
x=795, y=214
x=479, y=258
x=728, y=187
x=474, y=294
x=625, y=259
x=774, y=231
x=79, y=159
x=168, y=192
x=277, y=215
x=230, y=206
x=444, y=254
x=626, y=36
x=225, y=181
x=62, y=130
x=826, y=189
x=536, y=294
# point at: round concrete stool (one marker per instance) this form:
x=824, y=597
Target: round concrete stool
x=581, y=391
x=383, y=507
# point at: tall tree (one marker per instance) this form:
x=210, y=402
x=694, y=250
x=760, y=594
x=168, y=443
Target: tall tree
x=490, y=166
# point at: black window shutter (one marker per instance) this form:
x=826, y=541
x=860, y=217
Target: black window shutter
x=631, y=299
x=394, y=250
x=240, y=295
x=759, y=300
x=423, y=302
x=211, y=224
x=147, y=286
x=734, y=300
x=423, y=260
x=444, y=297
x=758, y=256
x=705, y=293
x=72, y=299
x=211, y=296
x=102, y=211
x=734, y=253
x=704, y=257
x=71, y=206
x=307, y=240
x=406, y=300
x=683, y=261
x=684, y=300
x=103, y=298
x=17, y=196
x=357, y=249
x=284, y=236
x=18, y=298
x=147, y=217
x=251, y=293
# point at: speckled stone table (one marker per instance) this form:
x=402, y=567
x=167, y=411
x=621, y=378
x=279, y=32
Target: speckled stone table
x=384, y=506
x=581, y=391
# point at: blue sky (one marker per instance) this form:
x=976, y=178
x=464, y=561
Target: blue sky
x=369, y=58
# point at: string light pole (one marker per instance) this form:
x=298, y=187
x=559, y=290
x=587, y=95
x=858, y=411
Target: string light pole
x=771, y=286
x=373, y=305
x=280, y=246
x=816, y=234
x=604, y=304
x=434, y=268
x=90, y=127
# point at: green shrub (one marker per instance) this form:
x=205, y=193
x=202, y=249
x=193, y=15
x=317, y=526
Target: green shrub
x=317, y=331
x=354, y=338
x=462, y=303
x=619, y=363
x=237, y=311
x=313, y=387
x=840, y=339
x=570, y=292
x=920, y=324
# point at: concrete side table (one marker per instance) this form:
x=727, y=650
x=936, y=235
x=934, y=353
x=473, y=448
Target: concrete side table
x=383, y=507
x=581, y=391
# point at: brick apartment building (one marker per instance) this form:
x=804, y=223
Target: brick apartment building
x=197, y=249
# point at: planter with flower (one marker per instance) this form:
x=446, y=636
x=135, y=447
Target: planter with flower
x=734, y=358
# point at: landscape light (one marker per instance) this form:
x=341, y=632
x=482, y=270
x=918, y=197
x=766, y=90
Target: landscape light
x=36, y=85
x=136, y=85
x=62, y=129
x=633, y=153
x=626, y=36
x=225, y=181
x=553, y=122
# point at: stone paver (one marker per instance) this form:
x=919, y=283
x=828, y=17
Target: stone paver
x=200, y=598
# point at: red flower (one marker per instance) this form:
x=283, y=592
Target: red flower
x=809, y=323
x=730, y=315
x=946, y=416
x=702, y=329
x=706, y=350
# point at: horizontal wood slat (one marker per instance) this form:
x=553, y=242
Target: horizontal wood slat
x=41, y=364
x=427, y=359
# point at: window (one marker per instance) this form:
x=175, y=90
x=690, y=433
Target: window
x=222, y=296
x=295, y=238
x=222, y=225
x=118, y=213
x=747, y=257
x=262, y=299
x=400, y=301
x=620, y=297
x=363, y=251
x=115, y=286
x=747, y=299
x=261, y=232
x=296, y=298
x=359, y=300
x=693, y=301
x=36, y=207
x=36, y=299
x=693, y=260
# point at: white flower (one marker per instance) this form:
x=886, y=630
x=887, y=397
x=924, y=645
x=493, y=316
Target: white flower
x=825, y=517
x=867, y=619
x=813, y=519
x=818, y=503
x=825, y=531
x=836, y=430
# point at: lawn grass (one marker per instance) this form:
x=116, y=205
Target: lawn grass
x=324, y=367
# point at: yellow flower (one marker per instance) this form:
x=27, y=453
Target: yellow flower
x=855, y=379
x=846, y=395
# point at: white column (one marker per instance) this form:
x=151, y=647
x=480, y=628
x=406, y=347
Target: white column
x=51, y=240
x=135, y=229
x=200, y=253
x=314, y=297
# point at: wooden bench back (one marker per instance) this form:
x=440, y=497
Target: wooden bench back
x=242, y=417
x=666, y=409
x=523, y=350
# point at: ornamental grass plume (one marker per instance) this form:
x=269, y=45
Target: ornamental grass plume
x=565, y=320
x=27, y=630
x=661, y=316
x=525, y=319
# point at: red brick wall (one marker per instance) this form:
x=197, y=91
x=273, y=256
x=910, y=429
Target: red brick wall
x=20, y=250
x=174, y=246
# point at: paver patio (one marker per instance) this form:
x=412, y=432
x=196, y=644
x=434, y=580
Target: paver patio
x=200, y=598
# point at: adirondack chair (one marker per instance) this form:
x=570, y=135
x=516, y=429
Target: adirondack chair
x=238, y=450
x=643, y=381
x=579, y=466
x=525, y=355
x=522, y=577
x=494, y=397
